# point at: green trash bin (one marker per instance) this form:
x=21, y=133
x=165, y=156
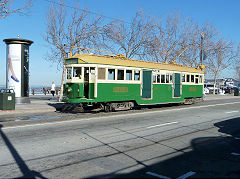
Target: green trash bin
x=7, y=99
x=236, y=92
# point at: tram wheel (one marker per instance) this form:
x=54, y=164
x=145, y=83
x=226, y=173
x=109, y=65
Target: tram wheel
x=108, y=107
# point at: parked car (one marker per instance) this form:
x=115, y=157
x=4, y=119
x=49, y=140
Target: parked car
x=217, y=90
x=229, y=90
x=206, y=91
x=211, y=90
x=221, y=91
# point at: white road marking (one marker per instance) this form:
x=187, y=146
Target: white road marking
x=121, y=115
x=210, y=105
x=47, y=123
x=237, y=154
x=157, y=175
x=159, y=125
x=237, y=138
x=186, y=175
x=231, y=112
x=164, y=177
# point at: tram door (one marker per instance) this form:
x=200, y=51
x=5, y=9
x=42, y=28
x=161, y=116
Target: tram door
x=86, y=82
x=177, y=85
x=92, y=81
x=147, y=84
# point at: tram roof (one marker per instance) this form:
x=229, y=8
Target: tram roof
x=123, y=61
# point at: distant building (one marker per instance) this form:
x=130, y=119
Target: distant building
x=231, y=82
x=223, y=82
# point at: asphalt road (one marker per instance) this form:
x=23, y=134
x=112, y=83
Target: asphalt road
x=201, y=140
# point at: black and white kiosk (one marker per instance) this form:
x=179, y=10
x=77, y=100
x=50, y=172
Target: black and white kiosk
x=17, y=77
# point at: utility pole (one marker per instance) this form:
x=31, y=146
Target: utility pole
x=201, y=48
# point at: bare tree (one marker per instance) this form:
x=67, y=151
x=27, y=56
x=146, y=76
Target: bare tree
x=236, y=65
x=166, y=44
x=8, y=7
x=178, y=39
x=191, y=41
x=65, y=31
x=221, y=56
x=129, y=39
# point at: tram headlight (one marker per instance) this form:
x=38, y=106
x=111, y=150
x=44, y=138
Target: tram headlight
x=69, y=89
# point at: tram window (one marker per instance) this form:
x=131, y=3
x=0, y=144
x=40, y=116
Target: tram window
x=192, y=78
x=171, y=78
x=154, y=78
x=128, y=74
x=167, y=78
x=69, y=73
x=86, y=74
x=101, y=73
x=158, y=78
x=92, y=73
x=200, y=79
x=162, y=78
x=111, y=74
x=196, y=79
x=120, y=75
x=183, y=77
x=137, y=75
x=77, y=72
x=188, y=78
x=92, y=70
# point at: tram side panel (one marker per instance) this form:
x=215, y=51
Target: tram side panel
x=118, y=92
x=162, y=93
x=192, y=91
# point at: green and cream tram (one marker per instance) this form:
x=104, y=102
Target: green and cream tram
x=116, y=82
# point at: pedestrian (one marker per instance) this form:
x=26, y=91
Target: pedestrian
x=45, y=91
x=53, y=88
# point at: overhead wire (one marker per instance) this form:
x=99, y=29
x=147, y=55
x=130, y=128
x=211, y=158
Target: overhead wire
x=91, y=12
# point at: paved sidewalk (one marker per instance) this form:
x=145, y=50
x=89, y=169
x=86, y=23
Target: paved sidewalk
x=42, y=103
x=217, y=97
x=39, y=103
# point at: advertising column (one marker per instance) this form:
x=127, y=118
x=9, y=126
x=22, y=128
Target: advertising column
x=14, y=68
x=17, y=77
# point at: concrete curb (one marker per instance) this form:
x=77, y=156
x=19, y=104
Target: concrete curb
x=26, y=110
x=44, y=105
x=218, y=97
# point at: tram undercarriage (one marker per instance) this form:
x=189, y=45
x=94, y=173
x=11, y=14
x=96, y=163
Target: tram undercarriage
x=106, y=106
x=112, y=106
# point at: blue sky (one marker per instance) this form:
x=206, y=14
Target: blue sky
x=224, y=14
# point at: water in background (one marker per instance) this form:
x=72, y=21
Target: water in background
x=38, y=90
